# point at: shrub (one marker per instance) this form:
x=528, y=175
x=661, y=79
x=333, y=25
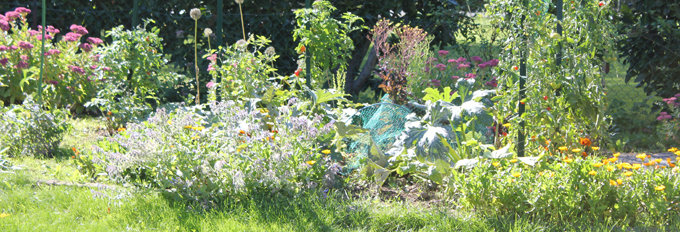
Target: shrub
x=395, y=59
x=570, y=188
x=29, y=130
x=228, y=152
x=326, y=38
x=136, y=74
x=244, y=70
x=71, y=71
x=670, y=121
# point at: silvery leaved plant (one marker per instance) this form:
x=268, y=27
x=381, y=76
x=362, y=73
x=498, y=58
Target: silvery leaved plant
x=231, y=151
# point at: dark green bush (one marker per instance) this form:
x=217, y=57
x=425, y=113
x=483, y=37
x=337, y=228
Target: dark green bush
x=652, y=44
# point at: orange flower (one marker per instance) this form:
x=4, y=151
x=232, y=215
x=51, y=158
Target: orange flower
x=515, y=68
x=297, y=72
x=303, y=49
x=585, y=141
x=109, y=113
x=121, y=129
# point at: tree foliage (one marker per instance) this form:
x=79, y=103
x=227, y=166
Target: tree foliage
x=652, y=44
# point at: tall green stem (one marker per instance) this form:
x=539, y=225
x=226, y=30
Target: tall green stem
x=198, y=91
x=243, y=28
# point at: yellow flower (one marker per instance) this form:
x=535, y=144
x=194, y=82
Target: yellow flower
x=597, y=165
x=169, y=122
x=513, y=161
x=641, y=156
x=610, y=168
x=637, y=166
x=188, y=127
x=506, y=124
x=121, y=129
x=311, y=162
x=326, y=152
x=496, y=164
x=595, y=148
x=628, y=173
x=592, y=173
x=516, y=174
x=613, y=183
x=658, y=160
x=626, y=165
x=198, y=128
x=2, y=215
x=613, y=159
x=568, y=160
x=562, y=148
x=619, y=181
x=677, y=153
x=616, y=155
x=660, y=188
x=673, y=149
x=576, y=150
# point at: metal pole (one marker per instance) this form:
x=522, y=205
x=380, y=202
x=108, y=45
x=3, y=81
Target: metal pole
x=220, y=16
x=522, y=79
x=308, y=62
x=42, y=52
x=559, y=5
x=135, y=13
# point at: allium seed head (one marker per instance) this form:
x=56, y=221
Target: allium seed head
x=195, y=13
x=238, y=2
x=207, y=32
x=241, y=44
x=270, y=51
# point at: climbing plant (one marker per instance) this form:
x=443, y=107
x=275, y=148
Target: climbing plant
x=564, y=95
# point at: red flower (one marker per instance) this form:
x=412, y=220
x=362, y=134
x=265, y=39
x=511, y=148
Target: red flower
x=297, y=72
x=545, y=98
x=601, y=3
x=549, y=108
x=303, y=49
x=515, y=68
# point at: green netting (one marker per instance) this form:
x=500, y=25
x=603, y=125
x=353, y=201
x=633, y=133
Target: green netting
x=384, y=122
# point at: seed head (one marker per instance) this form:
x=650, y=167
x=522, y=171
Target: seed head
x=270, y=51
x=207, y=32
x=241, y=44
x=195, y=13
x=238, y=2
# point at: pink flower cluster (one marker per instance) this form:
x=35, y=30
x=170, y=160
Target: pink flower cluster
x=77, y=69
x=78, y=29
x=663, y=116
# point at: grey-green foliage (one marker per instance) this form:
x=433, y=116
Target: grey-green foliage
x=30, y=130
x=449, y=126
